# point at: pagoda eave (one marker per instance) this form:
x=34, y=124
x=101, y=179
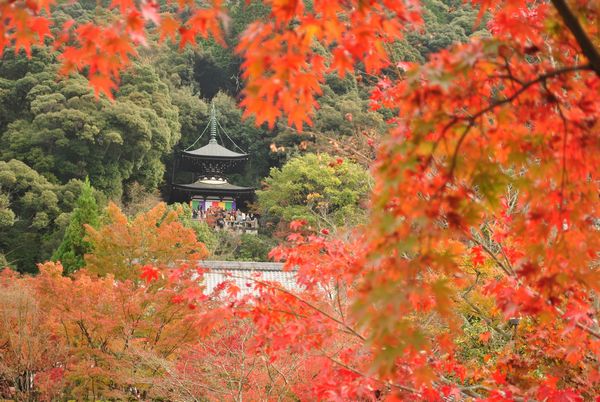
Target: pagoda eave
x=218, y=190
x=210, y=166
x=189, y=155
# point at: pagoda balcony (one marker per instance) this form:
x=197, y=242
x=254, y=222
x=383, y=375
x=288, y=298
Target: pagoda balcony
x=235, y=221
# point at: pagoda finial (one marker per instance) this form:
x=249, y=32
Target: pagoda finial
x=213, y=124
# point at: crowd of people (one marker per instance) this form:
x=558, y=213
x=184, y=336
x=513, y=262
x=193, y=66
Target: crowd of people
x=219, y=218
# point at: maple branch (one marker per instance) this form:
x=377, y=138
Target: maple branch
x=360, y=373
x=447, y=127
x=507, y=77
x=508, y=264
x=458, y=145
x=307, y=303
x=588, y=330
x=585, y=328
x=66, y=331
x=527, y=85
x=285, y=380
x=579, y=325
x=464, y=295
x=85, y=333
x=571, y=21
x=511, y=76
x=508, y=270
x=337, y=294
x=467, y=391
x=175, y=375
x=164, y=324
x=292, y=313
x=471, y=119
x=487, y=320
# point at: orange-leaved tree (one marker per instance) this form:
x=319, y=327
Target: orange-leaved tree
x=104, y=48
x=153, y=239
x=486, y=204
x=87, y=337
x=486, y=195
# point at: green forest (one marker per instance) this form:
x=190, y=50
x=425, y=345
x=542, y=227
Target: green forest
x=55, y=137
x=300, y=200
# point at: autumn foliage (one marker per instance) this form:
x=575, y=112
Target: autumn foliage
x=477, y=275
x=104, y=48
x=87, y=337
x=132, y=248
x=152, y=334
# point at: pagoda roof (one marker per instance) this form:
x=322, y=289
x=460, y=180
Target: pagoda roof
x=214, y=151
x=202, y=187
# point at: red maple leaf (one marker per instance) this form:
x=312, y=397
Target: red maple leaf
x=477, y=256
x=103, y=84
x=485, y=336
x=342, y=61
x=297, y=224
x=149, y=273
x=187, y=36
x=41, y=26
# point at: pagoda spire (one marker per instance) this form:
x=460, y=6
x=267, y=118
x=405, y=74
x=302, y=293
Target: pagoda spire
x=213, y=124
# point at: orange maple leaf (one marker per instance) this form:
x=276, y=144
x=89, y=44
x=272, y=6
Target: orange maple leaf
x=41, y=26
x=187, y=36
x=342, y=61
x=168, y=27
x=103, y=84
x=485, y=336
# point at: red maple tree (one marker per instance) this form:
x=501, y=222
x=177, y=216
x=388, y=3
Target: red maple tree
x=485, y=213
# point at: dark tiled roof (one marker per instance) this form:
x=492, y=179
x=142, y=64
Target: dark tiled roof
x=199, y=185
x=212, y=149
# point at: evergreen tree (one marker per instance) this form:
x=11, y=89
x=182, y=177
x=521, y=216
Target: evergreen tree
x=34, y=214
x=74, y=247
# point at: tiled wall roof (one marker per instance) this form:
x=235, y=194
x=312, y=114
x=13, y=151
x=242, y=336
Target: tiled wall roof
x=241, y=270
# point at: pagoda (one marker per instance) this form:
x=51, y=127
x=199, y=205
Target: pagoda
x=211, y=164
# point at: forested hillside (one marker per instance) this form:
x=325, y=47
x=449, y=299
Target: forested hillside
x=418, y=219
x=54, y=132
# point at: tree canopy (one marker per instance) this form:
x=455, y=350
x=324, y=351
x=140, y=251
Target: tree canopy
x=33, y=213
x=483, y=221
x=155, y=238
x=61, y=130
x=322, y=190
